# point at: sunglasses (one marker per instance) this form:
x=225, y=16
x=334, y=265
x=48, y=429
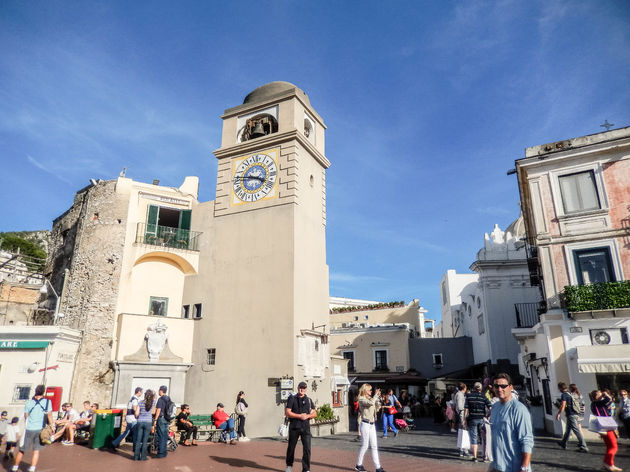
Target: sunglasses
x=500, y=385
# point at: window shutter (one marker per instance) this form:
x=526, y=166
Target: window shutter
x=184, y=219
x=152, y=221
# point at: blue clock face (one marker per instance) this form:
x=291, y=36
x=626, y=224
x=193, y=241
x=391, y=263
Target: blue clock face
x=254, y=178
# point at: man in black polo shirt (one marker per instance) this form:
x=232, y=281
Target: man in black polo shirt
x=300, y=409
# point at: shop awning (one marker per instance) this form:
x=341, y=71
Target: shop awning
x=610, y=358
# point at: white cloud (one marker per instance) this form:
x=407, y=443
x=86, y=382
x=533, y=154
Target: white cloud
x=46, y=169
x=345, y=277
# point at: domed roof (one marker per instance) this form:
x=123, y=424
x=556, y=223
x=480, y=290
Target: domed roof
x=267, y=91
x=517, y=227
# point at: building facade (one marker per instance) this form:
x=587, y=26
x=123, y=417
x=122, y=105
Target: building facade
x=575, y=196
x=209, y=298
x=487, y=305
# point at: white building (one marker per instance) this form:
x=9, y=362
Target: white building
x=487, y=305
x=575, y=200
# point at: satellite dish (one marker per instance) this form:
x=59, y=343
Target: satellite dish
x=32, y=368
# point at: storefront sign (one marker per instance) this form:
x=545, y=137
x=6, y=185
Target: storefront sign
x=23, y=344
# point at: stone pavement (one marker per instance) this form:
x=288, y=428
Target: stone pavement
x=429, y=447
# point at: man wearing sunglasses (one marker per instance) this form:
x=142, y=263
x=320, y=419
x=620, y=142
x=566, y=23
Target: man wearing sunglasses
x=511, y=426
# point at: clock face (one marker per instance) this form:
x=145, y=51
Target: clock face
x=255, y=177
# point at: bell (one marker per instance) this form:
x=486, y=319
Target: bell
x=258, y=130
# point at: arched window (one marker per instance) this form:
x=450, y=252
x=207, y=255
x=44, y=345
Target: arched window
x=258, y=126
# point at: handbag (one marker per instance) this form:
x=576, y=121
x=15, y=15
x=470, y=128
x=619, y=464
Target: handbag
x=393, y=410
x=283, y=430
x=45, y=435
x=463, y=439
x=601, y=424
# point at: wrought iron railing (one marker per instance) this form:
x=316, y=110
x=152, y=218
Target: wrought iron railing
x=528, y=314
x=166, y=236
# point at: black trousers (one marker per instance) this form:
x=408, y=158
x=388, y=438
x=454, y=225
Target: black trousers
x=241, y=426
x=187, y=431
x=294, y=434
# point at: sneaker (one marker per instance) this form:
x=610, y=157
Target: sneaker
x=31, y=468
x=15, y=468
x=67, y=443
x=583, y=450
x=380, y=469
x=474, y=459
x=359, y=468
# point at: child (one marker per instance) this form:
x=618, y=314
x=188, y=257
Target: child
x=13, y=435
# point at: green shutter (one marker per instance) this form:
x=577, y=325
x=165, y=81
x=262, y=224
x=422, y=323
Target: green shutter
x=184, y=219
x=183, y=232
x=152, y=221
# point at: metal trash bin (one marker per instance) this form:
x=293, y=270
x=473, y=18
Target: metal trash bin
x=105, y=428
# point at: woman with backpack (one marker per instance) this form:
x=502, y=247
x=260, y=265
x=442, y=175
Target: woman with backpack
x=241, y=411
x=569, y=403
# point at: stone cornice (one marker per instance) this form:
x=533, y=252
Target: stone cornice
x=269, y=141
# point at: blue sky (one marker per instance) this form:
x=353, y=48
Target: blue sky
x=427, y=105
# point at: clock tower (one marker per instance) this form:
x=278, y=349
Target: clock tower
x=268, y=284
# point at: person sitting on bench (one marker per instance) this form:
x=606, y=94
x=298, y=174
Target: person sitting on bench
x=186, y=427
x=223, y=422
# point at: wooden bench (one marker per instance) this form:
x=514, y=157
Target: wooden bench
x=206, y=430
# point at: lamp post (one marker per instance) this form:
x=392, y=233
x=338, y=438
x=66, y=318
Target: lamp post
x=44, y=291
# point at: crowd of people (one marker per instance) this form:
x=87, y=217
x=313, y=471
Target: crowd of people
x=492, y=424
x=605, y=408
x=148, y=413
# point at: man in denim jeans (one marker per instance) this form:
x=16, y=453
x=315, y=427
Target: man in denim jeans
x=566, y=405
x=474, y=412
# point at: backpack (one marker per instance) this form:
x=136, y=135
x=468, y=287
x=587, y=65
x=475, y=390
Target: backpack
x=577, y=404
x=170, y=409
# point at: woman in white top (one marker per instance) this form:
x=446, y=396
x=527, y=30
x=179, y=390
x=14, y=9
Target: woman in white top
x=368, y=408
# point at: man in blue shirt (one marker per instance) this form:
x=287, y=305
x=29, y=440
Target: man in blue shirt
x=511, y=426
x=160, y=423
x=35, y=412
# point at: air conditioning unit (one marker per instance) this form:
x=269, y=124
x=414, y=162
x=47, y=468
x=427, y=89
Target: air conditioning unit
x=602, y=337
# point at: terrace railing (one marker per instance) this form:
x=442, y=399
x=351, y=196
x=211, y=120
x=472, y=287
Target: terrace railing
x=166, y=236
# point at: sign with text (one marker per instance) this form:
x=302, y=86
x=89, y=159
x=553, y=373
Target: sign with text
x=23, y=344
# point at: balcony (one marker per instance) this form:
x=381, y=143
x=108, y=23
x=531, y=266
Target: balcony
x=528, y=314
x=594, y=297
x=165, y=236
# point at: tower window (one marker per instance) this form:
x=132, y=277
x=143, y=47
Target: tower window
x=257, y=127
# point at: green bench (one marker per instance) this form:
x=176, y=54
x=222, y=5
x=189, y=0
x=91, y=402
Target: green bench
x=206, y=431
